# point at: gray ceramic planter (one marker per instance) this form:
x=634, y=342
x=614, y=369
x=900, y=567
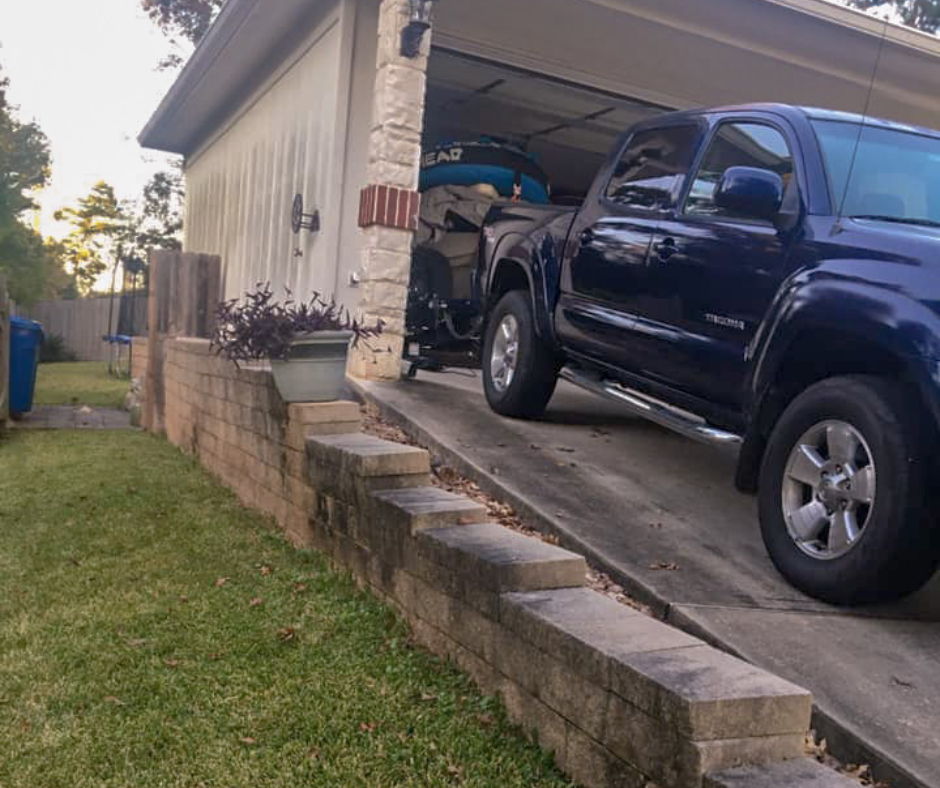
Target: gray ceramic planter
x=316, y=369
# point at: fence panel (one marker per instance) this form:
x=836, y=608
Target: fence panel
x=83, y=322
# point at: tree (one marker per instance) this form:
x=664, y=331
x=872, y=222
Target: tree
x=187, y=18
x=100, y=225
x=32, y=268
x=160, y=217
x=922, y=14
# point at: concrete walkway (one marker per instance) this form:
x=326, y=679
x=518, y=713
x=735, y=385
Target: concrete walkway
x=67, y=417
x=660, y=513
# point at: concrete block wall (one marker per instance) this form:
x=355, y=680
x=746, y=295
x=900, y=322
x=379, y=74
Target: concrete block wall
x=621, y=699
x=236, y=424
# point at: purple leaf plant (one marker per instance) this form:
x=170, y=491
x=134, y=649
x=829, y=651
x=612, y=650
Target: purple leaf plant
x=259, y=327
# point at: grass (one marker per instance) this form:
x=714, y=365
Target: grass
x=155, y=633
x=79, y=383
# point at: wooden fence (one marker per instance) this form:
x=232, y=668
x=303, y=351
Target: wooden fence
x=83, y=322
x=184, y=292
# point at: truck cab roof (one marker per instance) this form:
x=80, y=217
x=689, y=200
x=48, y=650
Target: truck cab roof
x=791, y=112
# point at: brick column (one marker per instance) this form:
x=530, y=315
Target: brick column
x=389, y=203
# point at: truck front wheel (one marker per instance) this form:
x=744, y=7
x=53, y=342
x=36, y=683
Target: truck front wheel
x=520, y=370
x=844, y=493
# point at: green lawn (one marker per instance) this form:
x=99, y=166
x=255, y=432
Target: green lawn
x=79, y=383
x=155, y=633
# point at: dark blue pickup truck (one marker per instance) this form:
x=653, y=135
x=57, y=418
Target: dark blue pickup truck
x=763, y=277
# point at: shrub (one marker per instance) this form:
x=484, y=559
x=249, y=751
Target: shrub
x=54, y=350
x=259, y=327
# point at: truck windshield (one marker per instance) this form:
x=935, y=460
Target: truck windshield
x=896, y=175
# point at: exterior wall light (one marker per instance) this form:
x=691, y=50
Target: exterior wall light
x=420, y=13
x=303, y=221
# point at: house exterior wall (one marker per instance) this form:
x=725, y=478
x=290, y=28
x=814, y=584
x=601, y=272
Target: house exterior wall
x=281, y=141
x=358, y=127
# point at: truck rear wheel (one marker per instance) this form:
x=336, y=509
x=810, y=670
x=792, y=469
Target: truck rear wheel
x=520, y=370
x=844, y=493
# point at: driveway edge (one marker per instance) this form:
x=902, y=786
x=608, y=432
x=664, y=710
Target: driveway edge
x=844, y=742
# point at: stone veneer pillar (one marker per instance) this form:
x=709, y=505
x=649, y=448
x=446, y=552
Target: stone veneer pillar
x=389, y=204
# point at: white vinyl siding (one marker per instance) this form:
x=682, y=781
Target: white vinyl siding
x=242, y=182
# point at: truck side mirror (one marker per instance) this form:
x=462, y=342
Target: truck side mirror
x=751, y=192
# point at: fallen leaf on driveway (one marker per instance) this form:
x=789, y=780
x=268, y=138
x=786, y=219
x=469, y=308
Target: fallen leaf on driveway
x=664, y=566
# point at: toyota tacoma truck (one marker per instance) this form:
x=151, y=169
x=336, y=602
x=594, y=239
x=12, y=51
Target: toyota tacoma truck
x=762, y=277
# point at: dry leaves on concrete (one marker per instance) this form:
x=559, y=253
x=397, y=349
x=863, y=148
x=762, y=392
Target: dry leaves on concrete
x=819, y=750
x=451, y=480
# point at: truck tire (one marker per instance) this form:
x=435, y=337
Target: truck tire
x=520, y=371
x=845, y=496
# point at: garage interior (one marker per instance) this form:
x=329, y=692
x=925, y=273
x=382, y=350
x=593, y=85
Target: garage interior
x=568, y=129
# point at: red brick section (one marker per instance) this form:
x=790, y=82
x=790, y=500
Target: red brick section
x=389, y=206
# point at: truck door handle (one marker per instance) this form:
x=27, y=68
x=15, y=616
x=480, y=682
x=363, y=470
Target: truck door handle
x=665, y=249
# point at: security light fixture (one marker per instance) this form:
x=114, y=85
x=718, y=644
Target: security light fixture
x=303, y=221
x=420, y=13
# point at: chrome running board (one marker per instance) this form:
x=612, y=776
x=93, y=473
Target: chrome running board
x=675, y=419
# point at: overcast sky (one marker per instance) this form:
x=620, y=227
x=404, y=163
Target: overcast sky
x=86, y=71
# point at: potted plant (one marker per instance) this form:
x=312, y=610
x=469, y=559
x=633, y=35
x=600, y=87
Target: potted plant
x=307, y=342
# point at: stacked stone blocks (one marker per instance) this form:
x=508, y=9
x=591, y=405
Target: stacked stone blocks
x=620, y=699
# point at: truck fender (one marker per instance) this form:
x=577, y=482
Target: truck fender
x=520, y=251
x=821, y=303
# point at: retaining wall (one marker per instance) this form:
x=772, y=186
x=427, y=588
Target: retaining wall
x=620, y=698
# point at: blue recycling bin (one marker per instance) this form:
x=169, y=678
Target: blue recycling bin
x=25, y=342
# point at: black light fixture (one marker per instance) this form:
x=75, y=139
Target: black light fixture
x=419, y=22
x=303, y=221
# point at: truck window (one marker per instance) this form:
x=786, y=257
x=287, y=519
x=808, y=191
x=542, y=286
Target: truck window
x=653, y=165
x=896, y=174
x=737, y=145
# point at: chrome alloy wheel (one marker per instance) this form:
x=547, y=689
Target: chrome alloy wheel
x=505, y=353
x=829, y=490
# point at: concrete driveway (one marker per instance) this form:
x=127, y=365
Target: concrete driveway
x=660, y=513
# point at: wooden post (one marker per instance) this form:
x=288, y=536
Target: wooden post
x=158, y=320
x=4, y=355
x=184, y=294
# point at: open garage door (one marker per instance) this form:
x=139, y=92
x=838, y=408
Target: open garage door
x=567, y=129
x=494, y=132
